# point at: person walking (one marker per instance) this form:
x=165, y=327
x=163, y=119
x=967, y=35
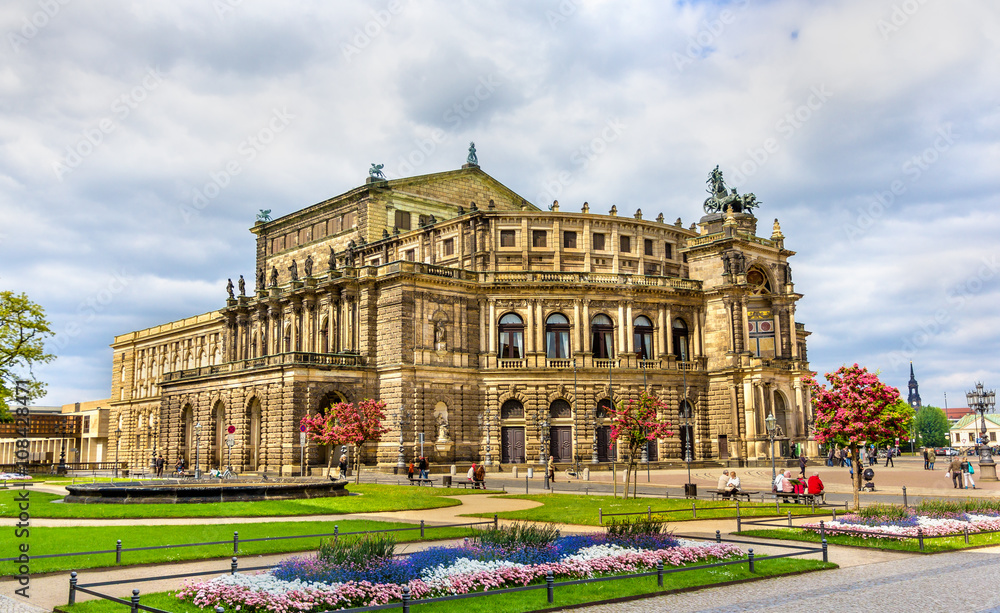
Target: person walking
x=409, y=471
x=955, y=472
x=342, y=465
x=927, y=461
x=424, y=470
x=967, y=475
x=552, y=469
x=889, y=452
x=160, y=463
x=802, y=465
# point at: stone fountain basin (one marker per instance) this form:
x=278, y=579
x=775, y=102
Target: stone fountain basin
x=182, y=491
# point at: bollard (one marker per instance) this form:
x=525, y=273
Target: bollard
x=526, y=484
x=737, y=507
x=336, y=529
x=236, y=543
x=659, y=573
x=233, y=566
x=649, y=513
x=826, y=555
x=966, y=535
x=135, y=600
x=777, y=509
x=694, y=511
x=406, y=599
x=920, y=538
x=739, y=523
x=421, y=528
x=600, y=516
x=550, y=586
x=904, y=497
x=822, y=529
x=118, y=552
x=718, y=536
x=496, y=522
x=835, y=515
x=789, y=519
x=72, y=587
x=750, y=559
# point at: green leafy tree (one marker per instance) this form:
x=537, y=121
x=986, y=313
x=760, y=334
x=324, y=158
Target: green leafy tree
x=932, y=427
x=858, y=409
x=23, y=330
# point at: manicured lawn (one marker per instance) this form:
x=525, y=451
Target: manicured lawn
x=93, y=538
x=526, y=601
x=369, y=498
x=583, y=510
x=935, y=545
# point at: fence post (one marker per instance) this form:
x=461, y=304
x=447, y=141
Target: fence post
x=236, y=543
x=904, y=497
x=966, y=535
x=750, y=558
x=496, y=523
x=739, y=523
x=777, y=508
x=336, y=529
x=789, y=519
x=233, y=566
x=406, y=599
x=421, y=528
x=694, y=511
x=135, y=600
x=826, y=556
x=718, y=536
x=920, y=538
x=72, y=587
x=118, y=552
x=834, y=515
x=659, y=573
x=600, y=516
x=649, y=513
x=822, y=530
x=550, y=582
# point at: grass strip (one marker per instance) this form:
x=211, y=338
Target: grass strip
x=369, y=498
x=583, y=510
x=534, y=600
x=931, y=545
x=89, y=538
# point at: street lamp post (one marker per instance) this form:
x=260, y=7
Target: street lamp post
x=118, y=444
x=770, y=424
x=688, y=430
x=197, y=450
x=983, y=401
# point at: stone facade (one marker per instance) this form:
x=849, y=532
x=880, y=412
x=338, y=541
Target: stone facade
x=494, y=329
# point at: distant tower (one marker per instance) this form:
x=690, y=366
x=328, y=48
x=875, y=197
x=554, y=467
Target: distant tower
x=914, y=398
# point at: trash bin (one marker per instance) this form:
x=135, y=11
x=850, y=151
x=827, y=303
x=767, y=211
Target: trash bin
x=691, y=490
x=446, y=480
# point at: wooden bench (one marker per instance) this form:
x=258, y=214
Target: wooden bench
x=418, y=481
x=467, y=484
x=802, y=498
x=724, y=495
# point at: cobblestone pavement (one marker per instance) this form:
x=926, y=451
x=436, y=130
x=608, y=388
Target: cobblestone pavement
x=959, y=581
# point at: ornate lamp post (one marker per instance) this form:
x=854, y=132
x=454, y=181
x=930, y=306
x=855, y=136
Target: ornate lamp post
x=197, y=450
x=983, y=401
x=770, y=423
x=62, y=453
x=118, y=444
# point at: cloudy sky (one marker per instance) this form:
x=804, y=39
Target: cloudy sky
x=138, y=140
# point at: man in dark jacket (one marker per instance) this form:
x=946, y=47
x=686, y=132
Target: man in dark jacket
x=955, y=468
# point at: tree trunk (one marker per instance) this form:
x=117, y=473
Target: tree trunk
x=856, y=479
x=357, y=462
x=329, y=458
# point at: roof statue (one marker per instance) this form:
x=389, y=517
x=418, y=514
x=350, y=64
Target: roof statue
x=472, y=159
x=375, y=171
x=723, y=199
x=264, y=215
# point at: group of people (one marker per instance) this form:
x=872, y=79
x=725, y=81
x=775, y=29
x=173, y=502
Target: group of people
x=477, y=476
x=729, y=482
x=783, y=482
x=929, y=458
x=961, y=471
x=418, y=468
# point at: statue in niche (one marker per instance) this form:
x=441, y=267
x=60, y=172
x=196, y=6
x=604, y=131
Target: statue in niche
x=243, y=286
x=229, y=289
x=442, y=425
x=788, y=273
x=439, y=335
x=274, y=276
x=332, y=262
x=294, y=270
x=727, y=267
x=309, y=265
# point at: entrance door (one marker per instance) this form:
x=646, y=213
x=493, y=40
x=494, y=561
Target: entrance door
x=652, y=453
x=723, y=447
x=512, y=445
x=687, y=435
x=603, y=441
x=561, y=443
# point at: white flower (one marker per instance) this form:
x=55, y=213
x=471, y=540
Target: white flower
x=268, y=583
x=600, y=551
x=463, y=566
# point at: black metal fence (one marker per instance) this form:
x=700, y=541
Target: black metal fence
x=649, y=512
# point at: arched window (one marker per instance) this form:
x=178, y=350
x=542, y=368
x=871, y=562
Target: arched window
x=560, y=409
x=512, y=409
x=680, y=335
x=511, y=337
x=557, y=337
x=602, y=337
x=643, y=338
x=758, y=281
x=603, y=408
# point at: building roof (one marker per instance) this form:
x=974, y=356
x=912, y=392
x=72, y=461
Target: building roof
x=973, y=419
x=957, y=412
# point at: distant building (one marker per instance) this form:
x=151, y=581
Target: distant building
x=967, y=429
x=80, y=429
x=956, y=413
x=914, y=396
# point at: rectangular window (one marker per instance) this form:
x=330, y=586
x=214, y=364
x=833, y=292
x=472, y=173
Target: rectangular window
x=538, y=238
x=625, y=244
x=569, y=240
x=86, y=424
x=410, y=255
x=598, y=242
x=403, y=220
x=508, y=238
x=648, y=246
x=449, y=246
x=668, y=251
x=651, y=270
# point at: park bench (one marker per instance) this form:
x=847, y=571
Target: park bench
x=724, y=495
x=419, y=481
x=799, y=498
x=473, y=484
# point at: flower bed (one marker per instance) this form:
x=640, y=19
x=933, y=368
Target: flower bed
x=13, y=476
x=897, y=528
x=307, y=583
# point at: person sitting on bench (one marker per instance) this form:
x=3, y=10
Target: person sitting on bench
x=723, y=480
x=815, y=487
x=479, y=477
x=733, y=485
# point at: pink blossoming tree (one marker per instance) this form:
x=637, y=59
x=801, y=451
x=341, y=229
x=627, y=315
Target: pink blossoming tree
x=634, y=423
x=347, y=423
x=858, y=409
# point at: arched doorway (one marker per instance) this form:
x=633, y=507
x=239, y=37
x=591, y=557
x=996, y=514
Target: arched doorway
x=323, y=455
x=561, y=430
x=219, y=448
x=512, y=432
x=186, y=440
x=607, y=449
